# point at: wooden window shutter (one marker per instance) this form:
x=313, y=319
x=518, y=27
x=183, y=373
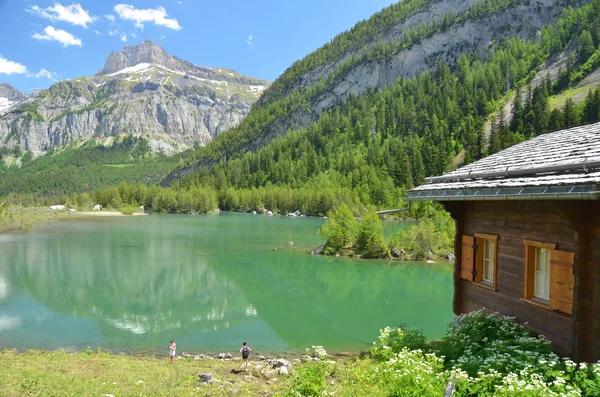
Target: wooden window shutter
x=467, y=263
x=562, y=281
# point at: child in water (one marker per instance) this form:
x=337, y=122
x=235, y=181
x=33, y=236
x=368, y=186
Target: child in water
x=172, y=347
x=245, y=350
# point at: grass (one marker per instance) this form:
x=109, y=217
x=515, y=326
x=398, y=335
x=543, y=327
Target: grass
x=58, y=373
x=19, y=218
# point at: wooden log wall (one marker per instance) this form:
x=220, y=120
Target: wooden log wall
x=575, y=227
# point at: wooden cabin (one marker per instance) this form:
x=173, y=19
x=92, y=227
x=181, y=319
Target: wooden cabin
x=528, y=236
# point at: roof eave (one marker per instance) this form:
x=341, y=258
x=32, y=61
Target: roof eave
x=575, y=192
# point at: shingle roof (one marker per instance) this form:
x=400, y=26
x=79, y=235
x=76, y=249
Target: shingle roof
x=574, y=151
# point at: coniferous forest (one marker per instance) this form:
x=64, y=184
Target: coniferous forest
x=368, y=149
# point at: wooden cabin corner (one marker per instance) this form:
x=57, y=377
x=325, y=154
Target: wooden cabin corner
x=527, y=241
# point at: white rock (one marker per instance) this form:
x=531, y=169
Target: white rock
x=282, y=371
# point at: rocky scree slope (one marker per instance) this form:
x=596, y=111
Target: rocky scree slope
x=141, y=90
x=375, y=53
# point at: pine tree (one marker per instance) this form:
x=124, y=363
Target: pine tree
x=516, y=122
x=586, y=46
x=570, y=113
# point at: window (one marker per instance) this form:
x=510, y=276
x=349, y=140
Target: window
x=549, y=279
x=541, y=280
x=479, y=259
x=489, y=260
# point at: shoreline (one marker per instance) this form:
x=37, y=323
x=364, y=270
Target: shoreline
x=183, y=354
x=106, y=213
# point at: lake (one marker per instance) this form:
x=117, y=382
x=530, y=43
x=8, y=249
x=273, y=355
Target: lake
x=209, y=282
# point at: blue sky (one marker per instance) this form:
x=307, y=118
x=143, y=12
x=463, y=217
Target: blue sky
x=43, y=41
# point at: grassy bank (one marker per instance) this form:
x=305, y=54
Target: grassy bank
x=481, y=355
x=40, y=373
x=19, y=218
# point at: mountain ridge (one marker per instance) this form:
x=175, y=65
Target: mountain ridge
x=174, y=103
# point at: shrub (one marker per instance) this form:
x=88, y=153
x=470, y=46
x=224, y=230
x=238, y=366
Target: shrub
x=370, y=242
x=393, y=340
x=310, y=380
x=339, y=229
x=317, y=352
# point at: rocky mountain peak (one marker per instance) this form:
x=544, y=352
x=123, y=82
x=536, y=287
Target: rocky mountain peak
x=9, y=92
x=145, y=52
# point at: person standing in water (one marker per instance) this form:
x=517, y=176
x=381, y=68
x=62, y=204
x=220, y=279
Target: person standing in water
x=245, y=350
x=172, y=347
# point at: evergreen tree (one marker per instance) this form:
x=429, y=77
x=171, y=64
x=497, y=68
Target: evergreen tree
x=586, y=46
x=370, y=242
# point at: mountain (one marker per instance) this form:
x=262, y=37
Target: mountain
x=400, y=96
x=9, y=97
x=400, y=42
x=141, y=90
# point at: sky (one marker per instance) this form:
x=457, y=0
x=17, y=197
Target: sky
x=44, y=41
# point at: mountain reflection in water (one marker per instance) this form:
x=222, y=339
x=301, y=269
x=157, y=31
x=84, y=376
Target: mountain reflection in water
x=209, y=282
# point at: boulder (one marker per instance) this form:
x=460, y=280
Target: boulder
x=206, y=378
x=72, y=210
x=318, y=250
x=430, y=254
x=228, y=355
x=291, y=214
x=281, y=362
x=253, y=212
x=258, y=367
x=450, y=257
x=97, y=207
x=297, y=213
x=270, y=373
x=57, y=207
x=283, y=371
x=396, y=253
x=269, y=213
x=261, y=358
x=221, y=355
x=430, y=261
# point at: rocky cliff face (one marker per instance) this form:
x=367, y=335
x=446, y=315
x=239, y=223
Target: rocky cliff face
x=141, y=90
x=472, y=36
x=10, y=97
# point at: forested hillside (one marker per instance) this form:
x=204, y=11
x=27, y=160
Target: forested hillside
x=371, y=146
x=85, y=168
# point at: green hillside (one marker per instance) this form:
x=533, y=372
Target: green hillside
x=85, y=168
x=369, y=148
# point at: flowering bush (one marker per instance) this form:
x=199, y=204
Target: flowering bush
x=482, y=354
x=414, y=373
x=317, y=352
x=393, y=340
x=480, y=342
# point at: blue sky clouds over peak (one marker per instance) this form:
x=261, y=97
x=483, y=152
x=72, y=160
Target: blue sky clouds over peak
x=42, y=41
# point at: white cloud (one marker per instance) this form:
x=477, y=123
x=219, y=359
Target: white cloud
x=43, y=73
x=64, y=38
x=250, y=40
x=134, y=35
x=10, y=67
x=113, y=32
x=162, y=37
x=99, y=33
x=123, y=37
x=110, y=17
x=158, y=16
x=73, y=14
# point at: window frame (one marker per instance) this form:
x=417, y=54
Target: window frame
x=480, y=239
x=531, y=247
